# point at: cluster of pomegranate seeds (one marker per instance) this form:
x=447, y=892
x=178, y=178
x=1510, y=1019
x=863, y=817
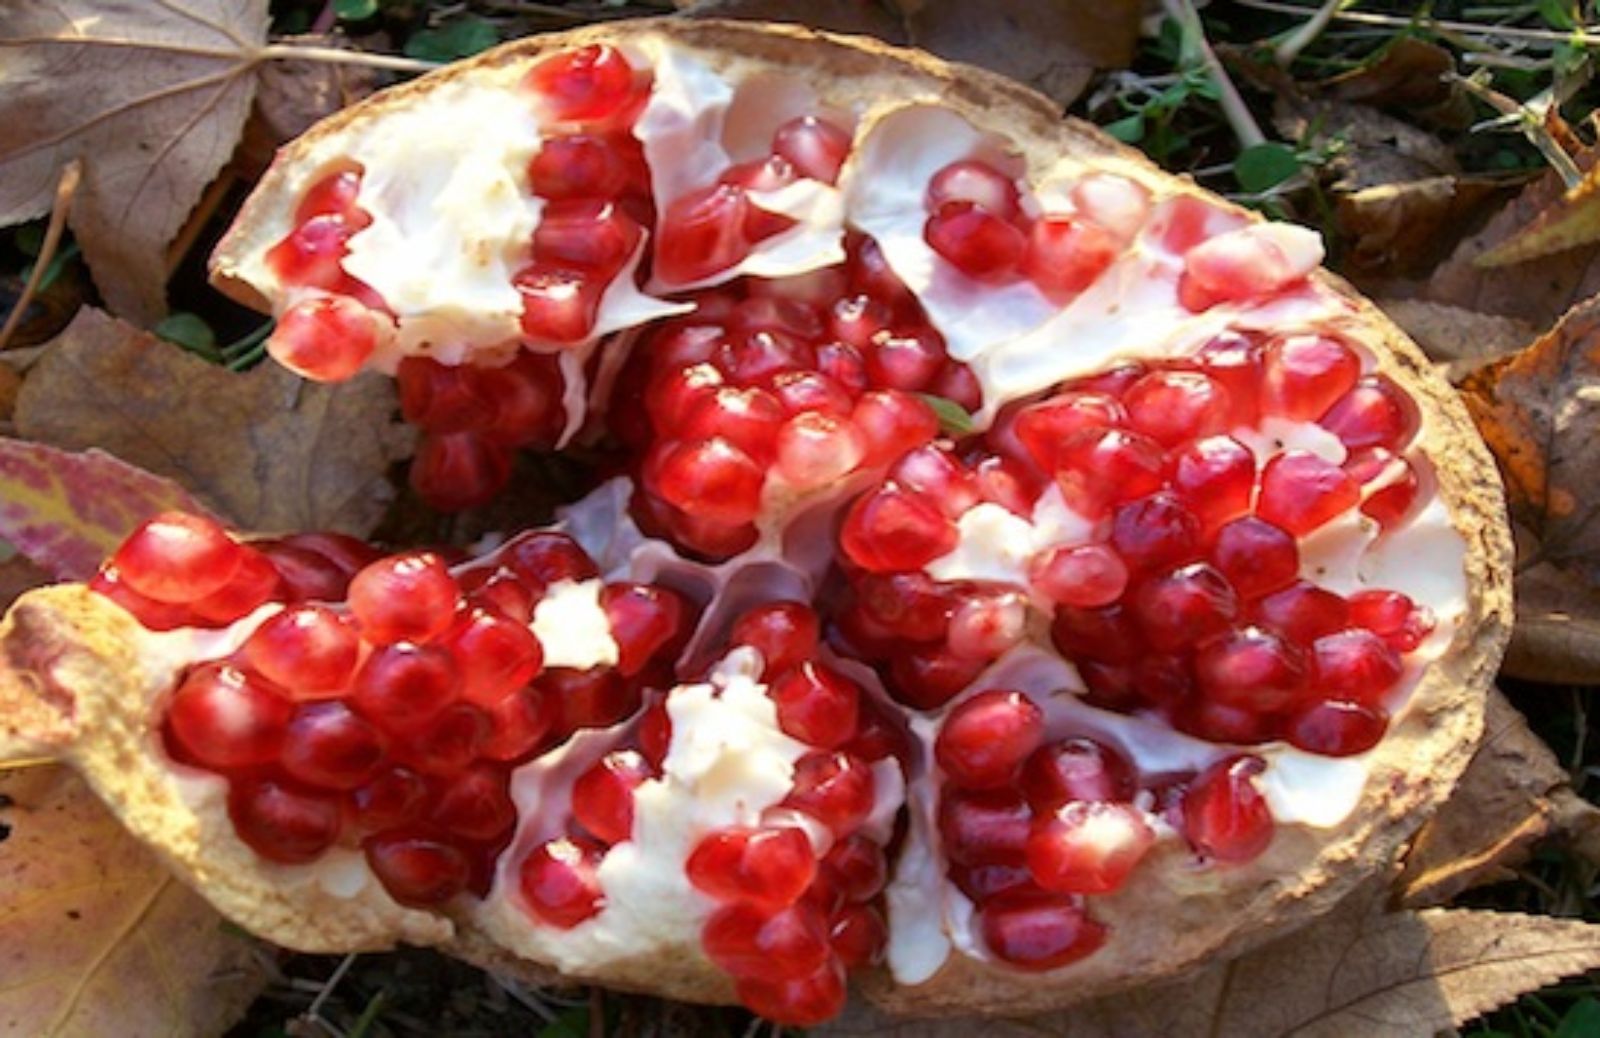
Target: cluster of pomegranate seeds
x=473, y=418
x=977, y=224
x=392, y=720
x=713, y=228
x=331, y=329
x=792, y=384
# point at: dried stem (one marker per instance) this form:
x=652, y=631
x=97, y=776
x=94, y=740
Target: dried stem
x=1583, y=35
x=1531, y=124
x=1297, y=41
x=25, y=763
x=66, y=188
x=335, y=56
x=1233, y=107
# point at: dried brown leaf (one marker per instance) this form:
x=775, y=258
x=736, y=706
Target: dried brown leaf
x=1571, y=221
x=1463, y=340
x=1357, y=971
x=294, y=94
x=1404, y=229
x=1372, y=148
x=1557, y=635
x=265, y=449
x=1513, y=793
x=1408, y=76
x=99, y=938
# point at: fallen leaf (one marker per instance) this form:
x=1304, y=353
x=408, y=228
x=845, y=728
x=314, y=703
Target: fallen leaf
x=1571, y=221
x=1462, y=340
x=265, y=449
x=1409, y=75
x=1556, y=639
x=151, y=98
x=99, y=938
x=1404, y=229
x=294, y=94
x=1369, y=148
x=1359, y=970
x=1513, y=794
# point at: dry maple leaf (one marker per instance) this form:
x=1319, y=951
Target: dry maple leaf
x=151, y=96
x=1358, y=971
x=1571, y=221
x=67, y=511
x=265, y=449
x=99, y=938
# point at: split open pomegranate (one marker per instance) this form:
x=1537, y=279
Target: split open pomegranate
x=1021, y=575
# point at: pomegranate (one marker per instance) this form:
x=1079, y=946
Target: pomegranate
x=1008, y=554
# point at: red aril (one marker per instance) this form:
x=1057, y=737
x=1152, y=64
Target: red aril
x=253, y=584
x=558, y=883
x=856, y=868
x=1075, y=770
x=223, y=718
x=1044, y=427
x=417, y=869
x=559, y=304
x=976, y=242
x=407, y=597
x=758, y=942
x=701, y=234
x=309, y=651
x=815, y=147
x=1305, y=374
x=984, y=827
x=590, y=85
x=324, y=338
x=857, y=934
x=1087, y=847
x=452, y=472
x=985, y=739
x=1374, y=413
x=404, y=687
x=1257, y=557
x=1337, y=728
x=1038, y=932
x=587, y=166
x=396, y=796
x=281, y=822
x=602, y=797
x=177, y=557
x=588, y=234
x=518, y=725
x=804, y=1001
x=1355, y=665
x=985, y=626
x=1065, y=254
x=1172, y=407
x=329, y=747
x=785, y=633
x=709, y=479
x=543, y=558
x=770, y=867
x=1216, y=478
x=1184, y=607
x=1099, y=468
x=1225, y=816
x=893, y=530
x=1393, y=617
x=1303, y=612
x=1301, y=491
x=456, y=735
x=816, y=704
x=836, y=788
x=1087, y=576
x=493, y=656
x=976, y=183
x=441, y=398
x=643, y=619
x=1251, y=668
x=1155, y=532
x=475, y=805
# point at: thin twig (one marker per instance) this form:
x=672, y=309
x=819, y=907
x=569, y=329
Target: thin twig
x=24, y=763
x=314, y=1011
x=1585, y=34
x=335, y=56
x=1297, y=41
x=1530, y=122
x=1233, y=107
x=66, y=188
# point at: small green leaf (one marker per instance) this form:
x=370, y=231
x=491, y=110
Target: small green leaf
x=191, y=332
x=1128, y=130
x=953, y=418
x=355, y=10
x=1581, y=1021
x=1265, y=166
x=461, y=38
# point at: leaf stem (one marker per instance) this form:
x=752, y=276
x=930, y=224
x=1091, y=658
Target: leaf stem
x=66, y=188
x=1233, y=107
x=335, y=56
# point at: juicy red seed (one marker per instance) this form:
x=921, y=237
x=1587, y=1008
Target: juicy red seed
x=1155, y=532
x=701, y=234
x=307, y=650
x=928, y=677
x=310, y=254
x=785, y=633
x=836, y=788
x=325, y=338
x=223, y=718
x=476, y=804
x=1303, y=612
x=655, y=733
x=957, y=384
x=545, y=558
x=908, y=359
x=558, y=882
x=815, y=147
x=1236, y=362
x=1106, y=635
x=1393, y=617
x=304, y=575
x=911, y=605
x=984, y=827
x=1172, y=407
x=1097, y=468
x=1301, y=491
x=1043, y=428
x=842, y=363
x=587, y=234
x=1006, y=482
x=1088, y=848
x=806, y=1001
x=1335, y=728
x=1257, y=557
x=1066, y=254
x=152, y=615
x=1215, y=477
x=282, y=823
x=456, y=471
x=396, y=796
x=1304, y=375
x=893, y=422
x=403, y=598
x=1224, y=814
x=933, y=471
x=1087, y=576
x=559, y=304
x=586, y=84
x=985, y=739
x=982, y=882
x=1374, y=413
x=858, y=936
x=856, y=320
x=176, y=557
x=1354, y=665
x=253, y=584
x=1113, y=381
x=518, y=724
x=348, y=554
x=1110, y=687
x=770, y=867
x=710, y=479
x=1038, y=932
x=404, y=687
x=329, y=747
x=1075, y=770
x=1251, y=668
x=1184, y=607
x=333, y=195
x=643, y=619
x=1221, y=722
x=856, y=867
x=1395, y=481
x=808, y=391
x=440, y=398
x=976, y=242
x=602, y=797
x=584, y=165
x=456, y=735
x=984, y=627
x=587, y=698
x=976, y=183
x=417, y=870
x=493, y=656
x=816, y=704
x=878, y=735
x=762, y=355
x=894, y=529
x=757, y=942
x=746, y=418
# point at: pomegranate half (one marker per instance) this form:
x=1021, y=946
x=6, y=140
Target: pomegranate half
x=1029, y=576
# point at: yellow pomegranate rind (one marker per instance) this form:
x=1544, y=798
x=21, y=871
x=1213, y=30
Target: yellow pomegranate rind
x=79, y=680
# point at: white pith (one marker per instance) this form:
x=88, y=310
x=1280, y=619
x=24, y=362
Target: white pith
x=1017, y=342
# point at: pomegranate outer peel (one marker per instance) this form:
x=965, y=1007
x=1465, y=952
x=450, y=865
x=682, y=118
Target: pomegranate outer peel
x=1169, y=918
